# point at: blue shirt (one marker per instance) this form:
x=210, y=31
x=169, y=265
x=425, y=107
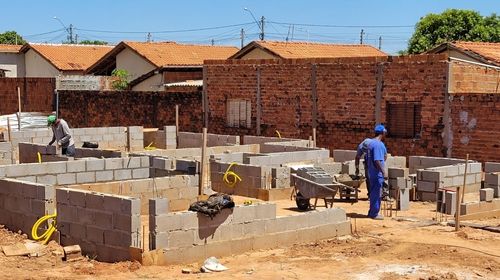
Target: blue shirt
x=376, y=151
x=363, y=148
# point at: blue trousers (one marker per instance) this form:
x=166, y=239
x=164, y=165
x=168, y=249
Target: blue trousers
x=376, y=184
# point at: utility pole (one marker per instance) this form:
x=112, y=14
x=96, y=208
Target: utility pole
x=76, y=38
x=361, y=36
x=149, y=37
x=242, y=37
x=262, y=28
x=380, y=42
x=213, y=42
x=70, y=39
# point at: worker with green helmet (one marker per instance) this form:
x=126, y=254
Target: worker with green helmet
x=62, y=135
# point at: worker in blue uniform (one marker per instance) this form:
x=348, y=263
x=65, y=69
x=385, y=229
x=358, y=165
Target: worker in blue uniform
x=376, y=155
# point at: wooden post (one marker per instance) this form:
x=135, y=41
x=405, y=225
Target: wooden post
x=314, y=137
x=57, y=104
x=258, y=105
x=203, y=155
x=465, y=177
x=176, y=125
x=8, y=129
x=19, y=111
x=458, y=199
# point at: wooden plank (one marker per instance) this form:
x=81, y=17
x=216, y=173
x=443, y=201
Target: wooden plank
x=18, y=249
x=259, y=104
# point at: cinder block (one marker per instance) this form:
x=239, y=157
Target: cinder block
x=77, y=198
x=66, y=179
x=450, y=202
x=113, y=163
x=62, y=196
x=474, y=167
x=492, y=178
x=131, y=206
x=19, y=170
x=95, y=234
x=126, y=222
x=104, y=220
x=433, y=176
x=158, y=240
x=265, y=211
x=427, y=196
x=122, y=174
x=491, y=167
x=132, y=162
x=95, y=201
x=158, y=206
x=398, y=172
x=243, y=214
x=104, y=176
x=180, y=238
x=46, y=179
x=140, y=173
x=486, y=194
x=85, y=177
x=75, y=166
x=95, y=164
x=425, y=186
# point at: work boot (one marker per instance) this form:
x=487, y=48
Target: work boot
x=378, y=217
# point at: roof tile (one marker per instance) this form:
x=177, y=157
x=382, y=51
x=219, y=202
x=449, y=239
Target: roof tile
x=6, y=48
x=490, y=51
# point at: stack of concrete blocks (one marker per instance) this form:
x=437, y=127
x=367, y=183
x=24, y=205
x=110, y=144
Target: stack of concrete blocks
x=489, y=204
x=280, y=177
x=277, y=159
x=79, y=171
x=162, y=139
x=195, y=140
x=430, y=180
x=253, y=178
x=315, y=174
x=332, y=168
x=135, y=138
x=191, y=167
x=292, y=143
x=349, y=167
x=23, y=203
x=5, y=153
x=189, y=236
x=28, y=153
x=492, y=177
x=179, y=190
x=104, y=225
x=344, y=155
x=423, y=162
x=400, y=186
x=446, y=201
x=251, y=139
x=282, y=147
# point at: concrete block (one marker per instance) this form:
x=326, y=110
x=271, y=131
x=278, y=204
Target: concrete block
x=131, y=206
x=450, y=202
x=491, y=167
x=425, y=186
x=243, y=214
x=45, y=192
x=122, y=174
x=46, y=179
x=95, y=201
x=132, y=162
x=486, y=194
x=474, y=167
x=95, y=234
x=158, y=206
x=77, y=198
x=85, y=177
x=62, y=196
x=76, y=166
x=113, y=163
x=398, y=172
x=432, y=176
x=104, y=176
x=95, y=164
x=66, y=179
x=404, y=199
x=55, y=167
x=104, y=220
x=158, y=240
x=140, y=173
x=265, y=211
x=427, y=196
x=145, y=161
x=19, y=170
x=180, y=238
x=492, y=178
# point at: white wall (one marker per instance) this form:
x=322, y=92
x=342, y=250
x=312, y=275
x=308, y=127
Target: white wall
x=37, y=66
x=135, y=65
x=154, y=83
x=13, y=62
x=258, y=54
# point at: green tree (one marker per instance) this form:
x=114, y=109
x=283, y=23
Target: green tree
x=92, y=42
x=121, y=83
x=11, y=37
x=453, y=25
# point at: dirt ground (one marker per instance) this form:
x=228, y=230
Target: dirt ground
x=410, y=245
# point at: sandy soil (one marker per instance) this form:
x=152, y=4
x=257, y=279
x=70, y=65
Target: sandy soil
x=410, y=245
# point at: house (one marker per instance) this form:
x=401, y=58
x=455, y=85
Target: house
x=11, y=61
x=294, y=50
x=480, y=52
x=51, y=60
x=150, y=65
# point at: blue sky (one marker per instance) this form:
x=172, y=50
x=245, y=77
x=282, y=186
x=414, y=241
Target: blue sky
x=92, y=17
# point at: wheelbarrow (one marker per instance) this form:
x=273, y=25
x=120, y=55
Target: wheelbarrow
x=304, y=190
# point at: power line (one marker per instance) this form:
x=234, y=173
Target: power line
x=342, y=26
x=166, y=31
x=44, y=33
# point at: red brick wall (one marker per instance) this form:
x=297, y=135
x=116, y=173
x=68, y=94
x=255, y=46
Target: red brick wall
x=470, y=78
x=172, y=76
x=36, y=94
x=346, y=90
x=127, y=108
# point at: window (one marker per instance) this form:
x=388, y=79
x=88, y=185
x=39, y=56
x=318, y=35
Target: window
x=239, y=113
x=404, y=119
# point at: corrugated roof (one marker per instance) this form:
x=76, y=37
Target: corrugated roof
x=291, y=50
x=188, y=83
x=490, y=51
x=66, y=57
x=172, y=53
x=6, y=48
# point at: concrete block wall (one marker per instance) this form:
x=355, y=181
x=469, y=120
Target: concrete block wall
x=104, y=225
x=28, y=153
x=281, y=147
x=331, y=168
x=344, y=155
x=5, y=153
x=423, y=162
x=180, y=190
x=430, y=180
x=79, y=171
x=252, y=177
x=251, y=139
x=23, y=203
x=165, y=138
x=189, y=236
x=470, y=208
x=135, y=138
x=492, y=181
x=194, y=140
x=276, y=159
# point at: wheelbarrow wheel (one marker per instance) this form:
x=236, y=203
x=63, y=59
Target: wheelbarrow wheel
x=302, y=202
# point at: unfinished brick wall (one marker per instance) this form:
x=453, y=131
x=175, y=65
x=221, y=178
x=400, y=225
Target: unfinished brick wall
x=36, y=95
x=23, y=203
x=127, y=108
x=104, y=225
x=471, y=78
x=346, y=97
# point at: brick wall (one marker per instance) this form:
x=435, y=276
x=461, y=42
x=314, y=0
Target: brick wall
x=470, y=78
x=181, y=76
x=104, y=225
x=346, y=98
x=36, y=94
x=23, y=203
x=126, y=108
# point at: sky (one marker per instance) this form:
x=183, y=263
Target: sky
x=221, y=21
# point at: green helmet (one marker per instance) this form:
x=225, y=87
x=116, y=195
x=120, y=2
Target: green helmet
x=51, y=120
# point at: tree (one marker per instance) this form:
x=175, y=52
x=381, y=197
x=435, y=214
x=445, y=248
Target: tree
x=11, y=37
x=94, y=42
x=121, y=83
x=453, y=25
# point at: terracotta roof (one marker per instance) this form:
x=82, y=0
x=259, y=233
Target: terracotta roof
x=482, y=51
x=10, y=48
x=66, y=57
x=291, y=50
x=172, y=53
